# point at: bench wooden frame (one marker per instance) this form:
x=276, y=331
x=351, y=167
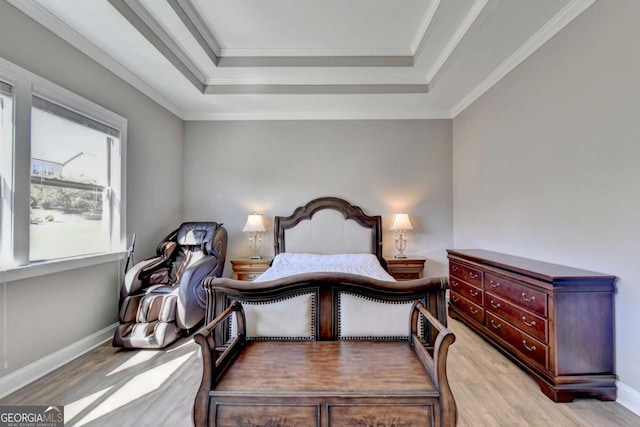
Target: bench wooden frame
x=410, y=386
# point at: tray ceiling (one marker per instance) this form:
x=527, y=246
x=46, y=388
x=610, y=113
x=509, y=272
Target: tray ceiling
x=308, y=59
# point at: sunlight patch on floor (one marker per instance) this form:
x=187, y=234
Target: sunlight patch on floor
x=137, y=387
x=188, y=342
x=71, y=410
x=136, y=359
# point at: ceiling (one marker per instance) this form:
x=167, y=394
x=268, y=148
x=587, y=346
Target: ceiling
x=308, y=59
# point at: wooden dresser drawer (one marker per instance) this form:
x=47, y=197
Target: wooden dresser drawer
x=468, y=274
x=248, y=269
x=523, y=320
x=405, y=268
x=247, y=277
x=472, y=310
x=526, y=345
x=531, y=299
x=380, y=415
x=471, y=292
x=243, y=414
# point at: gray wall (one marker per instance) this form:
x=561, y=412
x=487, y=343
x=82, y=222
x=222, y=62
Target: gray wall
x=46, y=314
x=272, y=167
x=547, y=163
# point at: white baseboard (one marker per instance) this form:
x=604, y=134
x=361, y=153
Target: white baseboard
x=27, y=374
x=628, y=397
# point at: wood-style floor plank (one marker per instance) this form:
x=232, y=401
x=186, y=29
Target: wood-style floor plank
x=109, y=387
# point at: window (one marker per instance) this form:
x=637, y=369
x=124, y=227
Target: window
x=62, y=170
x=70, y=182
x=6, y=166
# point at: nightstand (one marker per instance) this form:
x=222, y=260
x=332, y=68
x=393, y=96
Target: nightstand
x=249, y=269
x=405, y=268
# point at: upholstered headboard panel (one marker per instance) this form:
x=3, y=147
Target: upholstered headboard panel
x=328, y=225
x=328, y=232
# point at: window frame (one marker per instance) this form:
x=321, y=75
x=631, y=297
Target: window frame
x=26, y=85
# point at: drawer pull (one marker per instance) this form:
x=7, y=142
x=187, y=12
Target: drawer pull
x=454, y=283
x=473, y=275
x=454, y=299
x=473, y=293
x=494, y=284
x=494, y=305
x=524, y=297
x=454, y=268
x=473, y=310
x=532, y=348
x=495, y=325
x=529, y=324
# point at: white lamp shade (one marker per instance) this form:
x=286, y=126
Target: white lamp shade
x=254, y=223
x=401, y=222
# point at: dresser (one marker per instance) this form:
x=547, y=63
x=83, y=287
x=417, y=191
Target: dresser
x=555, y=322
x=410, y=268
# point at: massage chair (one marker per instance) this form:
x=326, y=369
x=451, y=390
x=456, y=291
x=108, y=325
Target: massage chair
x=163, y=297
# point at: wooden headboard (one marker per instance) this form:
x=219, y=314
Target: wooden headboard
x=356, y=229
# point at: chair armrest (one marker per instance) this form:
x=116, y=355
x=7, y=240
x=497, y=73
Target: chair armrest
x=134, y=279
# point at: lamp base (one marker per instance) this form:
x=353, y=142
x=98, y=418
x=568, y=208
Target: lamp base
x=400, y=256
x=255, y=257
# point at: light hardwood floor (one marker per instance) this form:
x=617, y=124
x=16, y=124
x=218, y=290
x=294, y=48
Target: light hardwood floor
x=107, y=387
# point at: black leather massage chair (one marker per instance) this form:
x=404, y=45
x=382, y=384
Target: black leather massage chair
x=162, y=297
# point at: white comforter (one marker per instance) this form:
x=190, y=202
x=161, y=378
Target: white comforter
x=287, y=264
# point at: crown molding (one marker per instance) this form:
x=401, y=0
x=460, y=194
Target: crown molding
x=52, y=23
x=191, y=19
x=241, y=57
x=315, y=89
x=457, y=37
x=334, y=115
x=150, y=29
x=166, y=41
x=424, y=26
x=320, y=52
x=555, y=24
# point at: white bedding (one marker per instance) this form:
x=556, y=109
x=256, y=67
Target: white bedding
x=287, y=264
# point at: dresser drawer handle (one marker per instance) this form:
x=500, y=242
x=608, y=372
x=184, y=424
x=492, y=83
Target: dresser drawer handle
x=495, y=325
x=532, y=348
x=494, y=284
x=494, y=305
x=524, y=297
x=473, y=275
x=454, y=283
x=529, y=324
x=473, y=310
x=473, y=293
x=454, y=268
x=454, y=299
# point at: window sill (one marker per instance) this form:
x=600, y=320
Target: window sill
x=58, y=266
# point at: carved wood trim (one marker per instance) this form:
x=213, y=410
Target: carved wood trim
x=349, y=211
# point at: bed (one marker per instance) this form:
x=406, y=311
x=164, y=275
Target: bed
x=298, y=347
